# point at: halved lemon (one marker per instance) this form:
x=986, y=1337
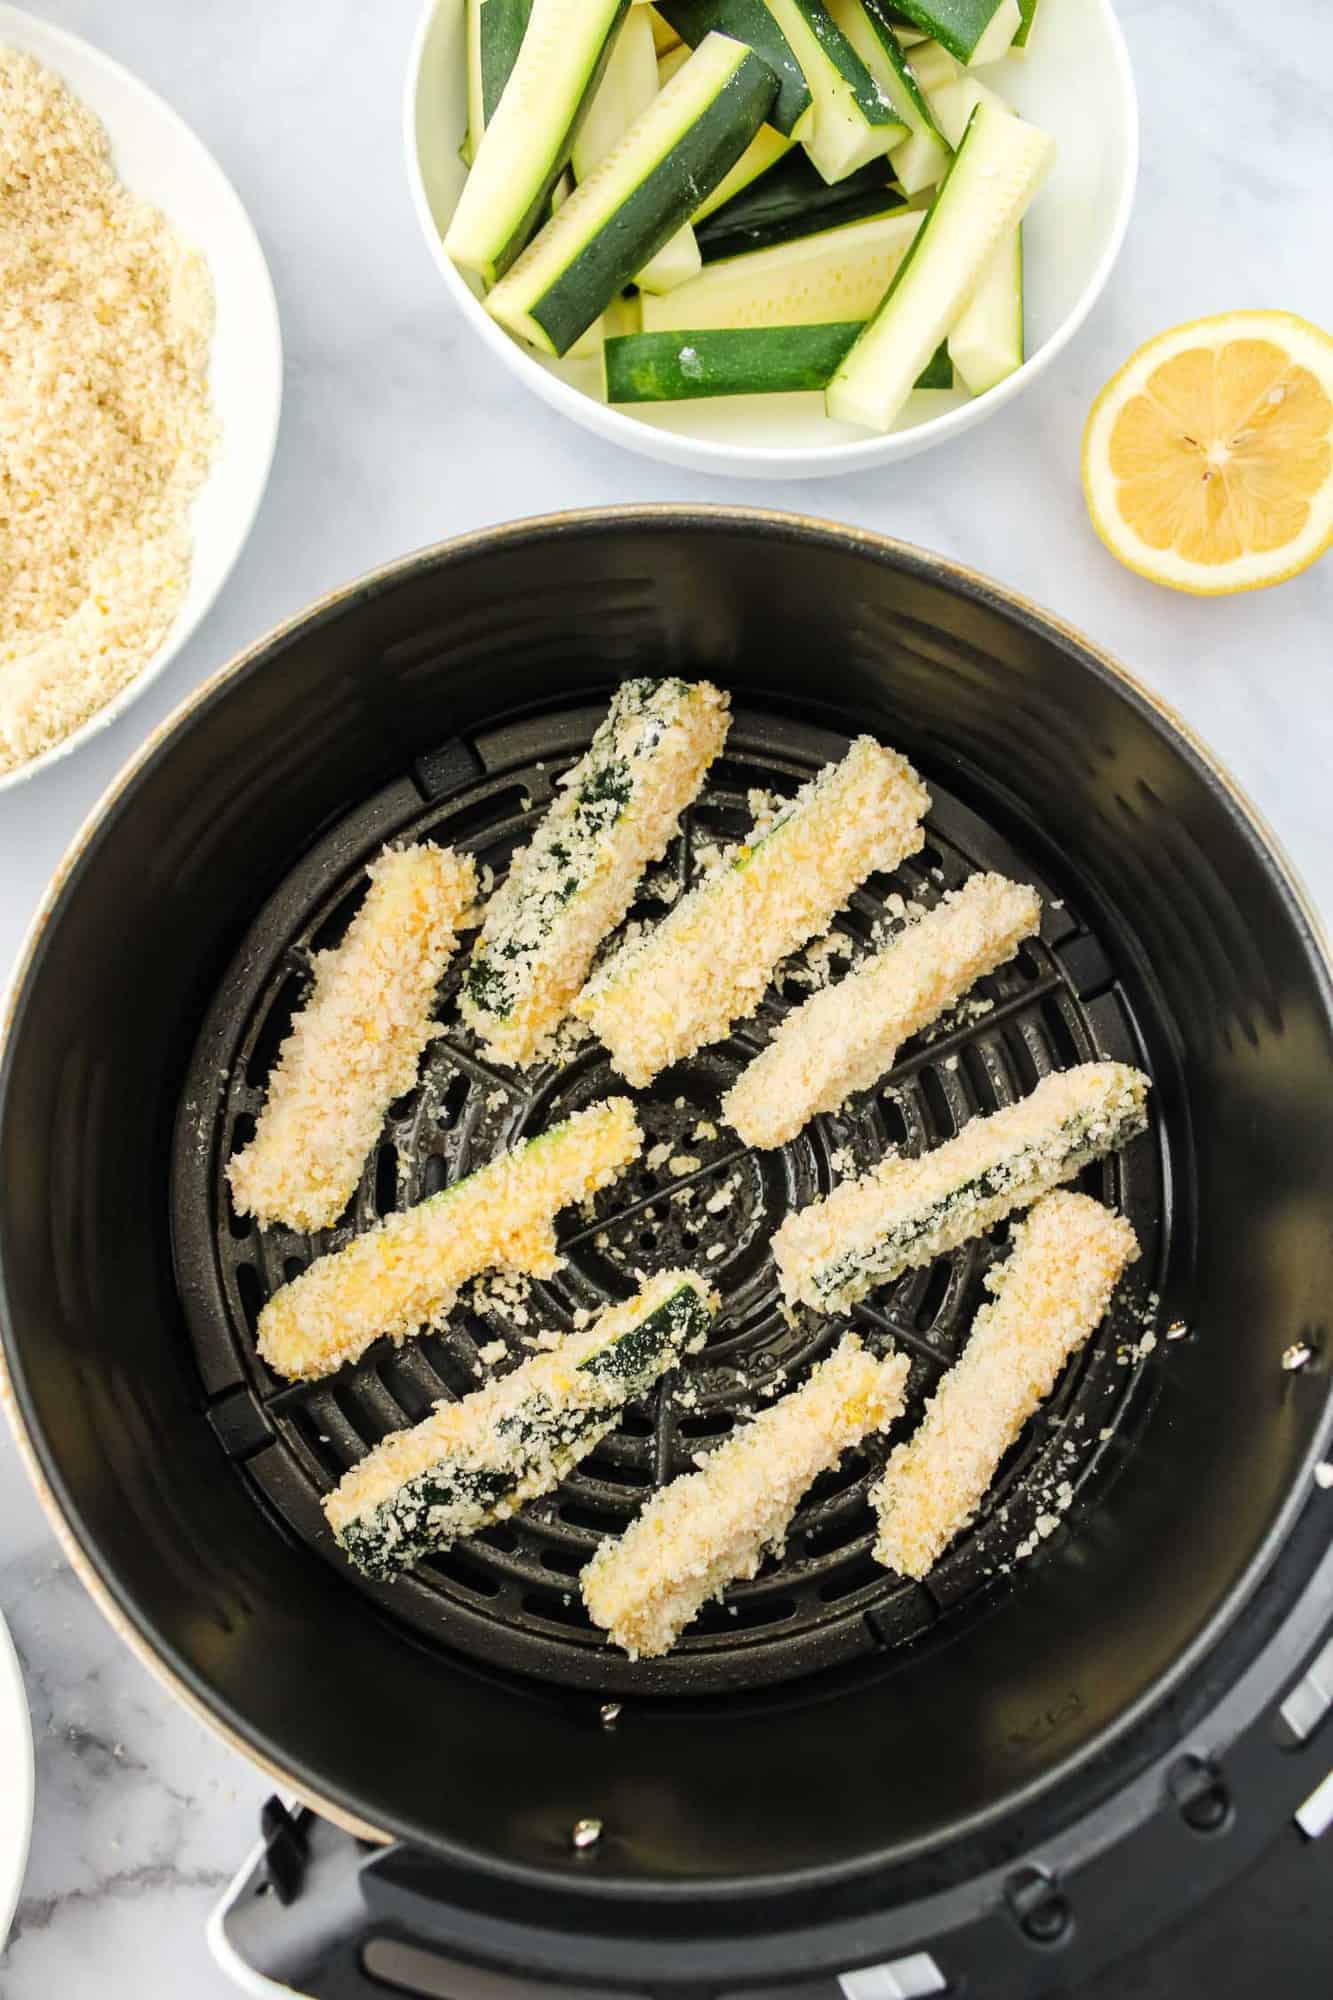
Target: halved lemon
x=1208, y=460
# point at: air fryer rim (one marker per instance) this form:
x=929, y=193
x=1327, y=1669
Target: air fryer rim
x=105, y=1589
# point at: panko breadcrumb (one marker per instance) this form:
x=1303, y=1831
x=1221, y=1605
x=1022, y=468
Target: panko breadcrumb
x=405, y=1273
x=845, y=1038
x=907, y=1212
x=105, y=425
x=716, y=1525
x=707, y=963
x=1050, y=1293
x=354, y=1047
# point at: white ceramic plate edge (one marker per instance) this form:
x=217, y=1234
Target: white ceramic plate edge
x=16, y=1780
x=47, y=43
x=757, y=461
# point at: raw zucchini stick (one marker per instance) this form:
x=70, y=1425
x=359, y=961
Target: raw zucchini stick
x=996, y=171
x=974, y=31
x=1028, y=9
x=837, y=274
x=750, y=21
x=845, y=1038
x=986, y=344
x=706, y=965
x=716, y=1525
x=922, y=158
x=616, y=812
x=476, y=1461
x=524, y=148
x=495, y=29
x=910, y=1211
x=1050, y=1293
x=789, y=201
x=767, y=147
x=954, y=102
x=354, y=1046
x=690, y=136
x=854, y=121
x=628, y=86
x=737, y=361
x=405, y=1273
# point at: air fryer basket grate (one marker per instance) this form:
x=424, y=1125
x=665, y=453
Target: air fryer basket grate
x=510, y=1596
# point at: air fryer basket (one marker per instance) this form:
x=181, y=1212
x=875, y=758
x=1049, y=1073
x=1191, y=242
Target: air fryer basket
x=830, y=1723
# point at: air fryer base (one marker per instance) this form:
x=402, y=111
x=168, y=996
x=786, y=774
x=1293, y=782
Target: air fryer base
x=317, y=1913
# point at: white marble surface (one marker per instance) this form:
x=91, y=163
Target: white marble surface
x=399, y=429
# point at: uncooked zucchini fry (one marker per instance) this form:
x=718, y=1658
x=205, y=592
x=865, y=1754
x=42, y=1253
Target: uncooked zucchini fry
x=854, y=119
x=354, y=1046
x=908, y=1212
x=845, y=1038
x=789, y=201
x=706, y=965
x=736, y=361
x=495, y=30
x=617, y=220
x=475, y=1461
x=616, y=812
x=974, y=31
x=716, y=1525
x=405, y=1273
x=840, y=272
x=1050, y=1293
x=750, y=21
x=921, y=159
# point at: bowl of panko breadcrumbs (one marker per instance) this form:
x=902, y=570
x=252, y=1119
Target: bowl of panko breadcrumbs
x=140, y=384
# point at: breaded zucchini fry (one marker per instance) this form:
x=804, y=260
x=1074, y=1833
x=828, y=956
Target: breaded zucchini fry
x=706, y=965
x=1050, y=1293
x=617, y=810
x=355, y=1045
x=845, y=1038
x=716, y=1525
x=907, y=1212
x=405, y=1273
x=476, y=1461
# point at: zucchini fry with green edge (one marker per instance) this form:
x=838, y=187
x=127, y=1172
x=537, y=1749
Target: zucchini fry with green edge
x=404, y=1274
x=737, y=361
x=715, y=1526
x=476, y=1461
x=907, y=1212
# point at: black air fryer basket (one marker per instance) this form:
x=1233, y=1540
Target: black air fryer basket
x=1003, y=1775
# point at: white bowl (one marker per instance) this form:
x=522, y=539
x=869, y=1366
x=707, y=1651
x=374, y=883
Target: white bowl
x=16, y=1780
x=157, y=156
x=1074, y=80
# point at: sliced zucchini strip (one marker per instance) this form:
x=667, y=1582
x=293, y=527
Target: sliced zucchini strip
x=716, y=1525
x=1050, y=1293
x=836, y=274
x=495, y=30
x=996, y=171
x=910, y=1211
x=964, y=27
x=527, y=142
x=690, y=136
x=355, y=1044
x=628, y=86
x=846, y=1038
x=854, y=121
x=707, y=963
x=615, y=812
x=986, y=343
x=791, y=201
x=404, y=1274
x=736, y=361
x=476, y=1461
x=751, y=21
x=922, y=158
x=767, y=147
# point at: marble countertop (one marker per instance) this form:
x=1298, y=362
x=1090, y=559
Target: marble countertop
x=399, y=429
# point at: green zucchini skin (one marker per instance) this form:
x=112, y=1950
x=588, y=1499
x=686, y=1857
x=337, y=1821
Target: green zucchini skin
x=749, y=21
x=663, y=200
x=957, y=25
x=737, y=361
x=501, y=24
x=792, y=200
x=545, y=1442
x=1028, y=9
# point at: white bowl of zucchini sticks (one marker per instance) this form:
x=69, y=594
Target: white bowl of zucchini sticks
x=773, y=237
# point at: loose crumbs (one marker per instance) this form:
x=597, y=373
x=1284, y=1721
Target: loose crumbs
x=105, y=427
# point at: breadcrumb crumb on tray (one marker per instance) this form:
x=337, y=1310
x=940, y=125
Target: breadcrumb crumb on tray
x=1050, y=1294
x=405, y=1273
x=706, y=965
x=355, y=1045
x=714, y=1526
